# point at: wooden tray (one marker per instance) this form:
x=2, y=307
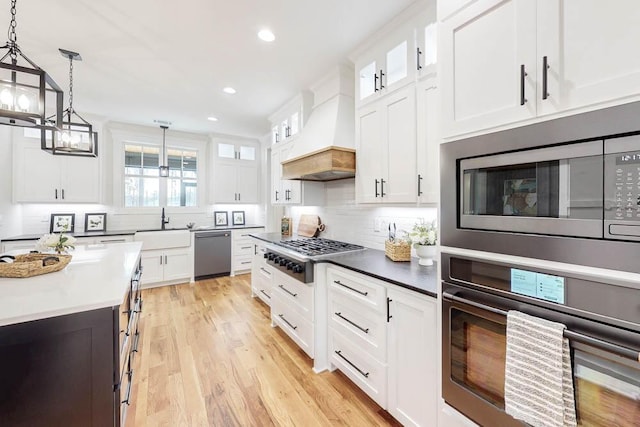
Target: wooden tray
x=29, y=265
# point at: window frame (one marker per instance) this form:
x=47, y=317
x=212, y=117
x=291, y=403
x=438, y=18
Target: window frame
x=134, y=135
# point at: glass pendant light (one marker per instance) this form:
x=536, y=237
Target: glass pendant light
x=25, y=88
x=164, y=167
x=75, y=135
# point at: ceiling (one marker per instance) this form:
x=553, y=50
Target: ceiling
x=143, y=61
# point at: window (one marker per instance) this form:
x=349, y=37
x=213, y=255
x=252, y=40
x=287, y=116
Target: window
x=182, y=181
x=143, y=186
x=141, y=176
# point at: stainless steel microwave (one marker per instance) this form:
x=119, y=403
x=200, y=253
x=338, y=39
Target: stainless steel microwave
x=584, y=189
x=566, y=190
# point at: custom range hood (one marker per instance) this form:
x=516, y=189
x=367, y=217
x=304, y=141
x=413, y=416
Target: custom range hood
x=325, y=148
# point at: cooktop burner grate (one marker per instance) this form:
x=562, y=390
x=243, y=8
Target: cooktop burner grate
x=318, y=246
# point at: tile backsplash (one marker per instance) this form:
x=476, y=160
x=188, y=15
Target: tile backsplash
x=366, y=225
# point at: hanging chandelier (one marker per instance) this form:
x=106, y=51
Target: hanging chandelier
x=164, y=166
x=25, y=88
x=75, y=135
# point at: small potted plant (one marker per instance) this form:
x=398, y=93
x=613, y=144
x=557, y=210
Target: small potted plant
x=424, y=236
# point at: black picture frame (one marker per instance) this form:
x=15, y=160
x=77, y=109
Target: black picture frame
x=59, y=220
x=237, y=217
x=95, y=222
x=221, y=218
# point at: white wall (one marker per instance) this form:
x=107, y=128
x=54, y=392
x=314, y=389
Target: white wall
x=347, y=221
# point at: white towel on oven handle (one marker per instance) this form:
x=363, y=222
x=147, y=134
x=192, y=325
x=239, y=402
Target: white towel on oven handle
x=538, y=377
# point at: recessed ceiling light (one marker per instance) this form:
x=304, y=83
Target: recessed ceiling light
x=229, y=90
x=266, y=35
x=213, y=119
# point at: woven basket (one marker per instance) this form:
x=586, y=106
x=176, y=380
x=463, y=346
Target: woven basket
x=29, y=265
x=397, y=251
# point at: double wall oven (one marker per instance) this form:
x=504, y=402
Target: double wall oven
x=544, y=219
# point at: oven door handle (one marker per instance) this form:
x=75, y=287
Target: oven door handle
x=575, y=336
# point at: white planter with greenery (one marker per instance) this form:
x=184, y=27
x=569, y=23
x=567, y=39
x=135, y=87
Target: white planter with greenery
x=424, y=237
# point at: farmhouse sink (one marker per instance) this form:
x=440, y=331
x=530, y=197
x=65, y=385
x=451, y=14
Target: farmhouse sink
x=163, y=239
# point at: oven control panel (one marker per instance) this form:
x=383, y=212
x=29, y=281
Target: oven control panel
x=301, y=270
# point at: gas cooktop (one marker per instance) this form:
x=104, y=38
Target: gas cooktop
x=316, y=247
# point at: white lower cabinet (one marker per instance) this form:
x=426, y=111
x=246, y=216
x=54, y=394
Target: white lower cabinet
x=412, y=357
x=242, y=250
x=384, y=338
x=292, y=307
x=167, y=265
x=261, y=275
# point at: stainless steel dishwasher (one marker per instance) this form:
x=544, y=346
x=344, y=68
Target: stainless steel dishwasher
x=212, y=254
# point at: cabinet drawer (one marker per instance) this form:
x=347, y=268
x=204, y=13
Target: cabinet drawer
x=362, y=325
x=242, y=262
x=244, y=247
x=261, y=286
x=368, y=373
x=358, y=288
x=293, y=324
x=295, y=294
x=125, y=394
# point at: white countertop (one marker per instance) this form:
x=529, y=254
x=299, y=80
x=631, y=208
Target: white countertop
x=97, y=276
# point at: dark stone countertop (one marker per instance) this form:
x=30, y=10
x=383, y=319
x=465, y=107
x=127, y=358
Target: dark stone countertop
x=374, y=263
x=128, y=232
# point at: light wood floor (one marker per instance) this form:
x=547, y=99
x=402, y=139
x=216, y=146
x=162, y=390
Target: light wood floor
x=209, y=357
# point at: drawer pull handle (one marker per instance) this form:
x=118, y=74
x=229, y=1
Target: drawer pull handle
x=135, y=342
x=245, y=247
x=339, y=314
x=127, y=400
x=287, y=322
x=265, y=294
x=363, y=373
x=338, y=282
x=266, y=271
x=113, y=241
x=287, y=291
x=245, y=262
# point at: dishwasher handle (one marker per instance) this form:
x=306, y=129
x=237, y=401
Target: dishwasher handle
x=212, y=234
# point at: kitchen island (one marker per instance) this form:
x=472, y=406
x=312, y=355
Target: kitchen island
x=67, y=338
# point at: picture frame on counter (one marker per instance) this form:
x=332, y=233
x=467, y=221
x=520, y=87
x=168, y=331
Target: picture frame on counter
x=95, y=222
x=62, y=222
x=221, y=218
x=237, y=217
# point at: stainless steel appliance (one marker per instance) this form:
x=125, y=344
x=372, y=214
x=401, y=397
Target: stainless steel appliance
x=565, y=190
x=212, y=254
x=295, y=257
x=603, y=328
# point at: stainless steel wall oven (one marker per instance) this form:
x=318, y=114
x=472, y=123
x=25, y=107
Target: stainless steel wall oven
x=565, y=190
x=603, y=328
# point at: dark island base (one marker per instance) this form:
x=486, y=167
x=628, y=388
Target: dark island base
x=59, y=371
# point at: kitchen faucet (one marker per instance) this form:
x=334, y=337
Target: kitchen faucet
x=164, y=220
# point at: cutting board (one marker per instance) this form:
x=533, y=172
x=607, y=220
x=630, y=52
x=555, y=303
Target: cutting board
x=309, y=226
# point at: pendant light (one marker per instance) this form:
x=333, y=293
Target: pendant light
x=164, y=167
x=75, y=136
x=25, y=87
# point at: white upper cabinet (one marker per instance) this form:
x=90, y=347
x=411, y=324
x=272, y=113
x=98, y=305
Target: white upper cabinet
x=509, y=61
x=291, y=192
x=489, y=65
x=428, y=141
x=40, y=177
x=289, y=120
x=386, y=65
x=235, y=172
x=589, y=47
